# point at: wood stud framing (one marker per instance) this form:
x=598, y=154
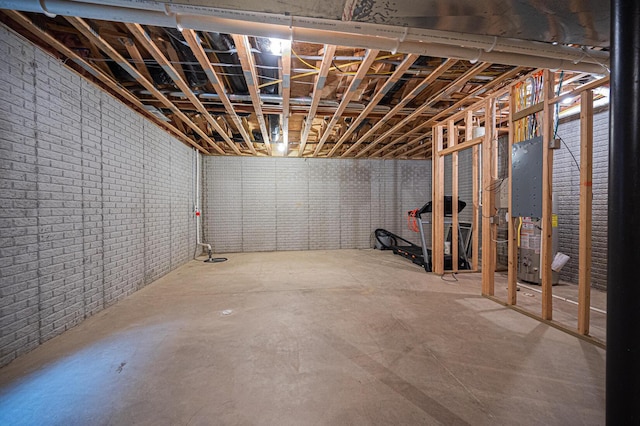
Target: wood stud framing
x=547, y=191
x=144, y=39
x=286, y=94
x=426, y=82
x=251, y=77
x=400, y=70
x=437, y=168
x=512, y=237
x=348, y=95
x=88, y=32
x=450, y=88
x=415, y=141
x=198, y=51
x=586, y=199
x=329, y=52
x=98, y=74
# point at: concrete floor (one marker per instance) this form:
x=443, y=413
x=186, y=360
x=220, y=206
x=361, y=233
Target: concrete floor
x=353, y=337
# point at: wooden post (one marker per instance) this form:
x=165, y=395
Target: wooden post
x=547, y=191
x=586, y=197
x=476, y=199
x=437, y=215
x=453, y=141
x=488, y=261
x=512, y=238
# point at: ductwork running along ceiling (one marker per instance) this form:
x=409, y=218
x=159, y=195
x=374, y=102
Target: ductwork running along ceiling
x=349, y=79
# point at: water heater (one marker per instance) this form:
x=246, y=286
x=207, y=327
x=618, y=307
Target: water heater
x=529, y=247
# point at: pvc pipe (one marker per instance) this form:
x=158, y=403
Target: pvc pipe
x=485, y=42
x=146, y=14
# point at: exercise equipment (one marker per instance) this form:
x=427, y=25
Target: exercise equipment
x=421, y=255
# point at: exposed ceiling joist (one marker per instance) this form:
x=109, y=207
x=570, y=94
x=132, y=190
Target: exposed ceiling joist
x=86, y=29
x=391, y=81
x=136, y=57
x=251, y=77
x=426, y=82
x=329, y=52
x=444, y=113
x=286, y=94
x=348, y=95
x=98, y=74
x=215, y=81
x=451, y=87
x=145, y=40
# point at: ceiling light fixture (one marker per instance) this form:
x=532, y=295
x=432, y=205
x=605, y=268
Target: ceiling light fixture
x=277, y=45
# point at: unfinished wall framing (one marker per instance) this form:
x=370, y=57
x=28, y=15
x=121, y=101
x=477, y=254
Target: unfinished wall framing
x=527, y=118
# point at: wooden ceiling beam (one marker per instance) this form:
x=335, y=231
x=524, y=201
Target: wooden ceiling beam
x=442, y=114
x=286, y=94
x=384, y=89
x=368, y=60
x=145, y=40
x=138, y=61
x=426, y=82
x=98, y=74
x=445, y=91
x=329, y=53
x=198, y=51
x=247, y=62
x=82, y=26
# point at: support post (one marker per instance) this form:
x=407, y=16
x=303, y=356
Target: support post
x=453, y=141
x=586, y=197
x=547, y=191
x=475, y=244
x=488, y=211
x=623, y=291
x=437, y=214
x=512, y=237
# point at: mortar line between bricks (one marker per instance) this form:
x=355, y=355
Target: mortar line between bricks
x=101, y=94
x=84, y=212
x=145, y=146
x=38, y=204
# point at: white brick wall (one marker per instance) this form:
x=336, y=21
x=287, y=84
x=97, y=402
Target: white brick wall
x=566, y=178
x=95, y=202
x=264, y=204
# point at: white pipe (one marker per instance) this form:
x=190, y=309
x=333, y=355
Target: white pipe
x=433, y=45
x=484, y=42
x=197, y=203
x=562, y=298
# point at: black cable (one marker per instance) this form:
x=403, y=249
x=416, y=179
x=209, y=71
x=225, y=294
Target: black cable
x=336, y=66
x=453, y=274
x=571, y=153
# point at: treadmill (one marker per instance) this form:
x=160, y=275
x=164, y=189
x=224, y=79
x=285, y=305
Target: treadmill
x=421, y=255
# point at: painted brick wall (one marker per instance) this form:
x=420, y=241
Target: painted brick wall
x=95, y=202
x=264, y=204
x=566, y=178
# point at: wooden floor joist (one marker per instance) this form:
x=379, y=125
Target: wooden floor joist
x=145, y=40
x=467, y=102
x=82, y=26
x=426, y=82
x=370, y=56
x=217, y=84
x=243, y=47
x=329, y=52
x=388, y=85
x=99, y=75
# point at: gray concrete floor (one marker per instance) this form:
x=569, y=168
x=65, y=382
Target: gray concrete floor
x=307, y=338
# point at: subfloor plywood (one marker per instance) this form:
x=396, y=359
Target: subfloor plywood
x=314, y=337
